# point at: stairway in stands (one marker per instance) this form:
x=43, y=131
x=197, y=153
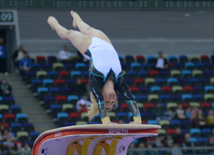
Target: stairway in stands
x=29, y=104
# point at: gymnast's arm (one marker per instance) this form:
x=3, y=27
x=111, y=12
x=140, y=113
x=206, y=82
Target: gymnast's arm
x=123, y=88
x=95, y=83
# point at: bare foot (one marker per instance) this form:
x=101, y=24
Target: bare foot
x=52, y=21
x=76, y=18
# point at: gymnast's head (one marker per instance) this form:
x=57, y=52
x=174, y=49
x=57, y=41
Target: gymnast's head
x=110, y=100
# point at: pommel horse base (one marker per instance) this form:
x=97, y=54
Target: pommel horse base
x=99, y=139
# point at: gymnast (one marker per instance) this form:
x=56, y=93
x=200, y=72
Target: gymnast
x=105, y=73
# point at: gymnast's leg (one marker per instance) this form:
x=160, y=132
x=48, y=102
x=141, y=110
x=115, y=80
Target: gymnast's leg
x=78, y=39
x=86, y=29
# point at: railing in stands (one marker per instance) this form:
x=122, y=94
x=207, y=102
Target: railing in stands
x=109, y=4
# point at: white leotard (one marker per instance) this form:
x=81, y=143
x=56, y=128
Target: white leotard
x=104, y=57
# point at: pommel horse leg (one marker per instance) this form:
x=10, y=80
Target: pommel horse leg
x=100, y=139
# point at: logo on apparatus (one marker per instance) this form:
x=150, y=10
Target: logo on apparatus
x=118, y=131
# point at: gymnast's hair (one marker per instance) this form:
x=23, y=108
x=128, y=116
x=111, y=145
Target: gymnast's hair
x=93, y=108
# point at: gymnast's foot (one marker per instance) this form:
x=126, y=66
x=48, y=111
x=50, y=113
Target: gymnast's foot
x=76, y=18
x=52, y=22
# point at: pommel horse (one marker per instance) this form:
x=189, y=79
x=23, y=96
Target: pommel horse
x=96, y=139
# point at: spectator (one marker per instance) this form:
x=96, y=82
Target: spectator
x=8, y=146
x=158, y=142
x=210, y=119
x=18, y=55
x=180, y=112
x=200, y=121
x=178, y=136
x=159, y=111
x=133, y=146
x=171, y=114
x=3, y=56
x=142, y=146
x=186, y=142
x=66, y=56
x=193, y=112
x=26, y=150
x=169, y=141
x=82, y=104
x=175, y=150
x=161, y=63
x=8, y=134
x=150, y=151
x=6, y=89
x=24, y=64
x=211, y=141
x=120, y=121
x=79, y=88
x=2, y=128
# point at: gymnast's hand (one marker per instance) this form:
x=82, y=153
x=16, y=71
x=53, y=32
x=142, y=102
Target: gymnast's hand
x=137, y=120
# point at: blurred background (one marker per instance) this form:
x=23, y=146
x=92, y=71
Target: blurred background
x=166, y=52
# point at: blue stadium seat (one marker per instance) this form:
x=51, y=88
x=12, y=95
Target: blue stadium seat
x=172, y=81
x=33, y=135
x=198, y=97
x=193, y=139
x=75, y=74
x=183, y=59
x=164, y=98
x=150, y=59
x=213, y=105
x=206, y=132
x=53, y=74
x=121, y=116
x=142, y=98
x=155, y=90
x=15, y=109
x=154, y=122
x=72, y=98
x=62, y=115
x=129, y=59
x=201, y=66
x=80, y=66
x=194, y=82
x=209, y=89
x=132, y=74
x=48, y=82
x=179, y=66
x=189, y=66
x=176, y=123
x=195, y=132
x=172, y=59
x=203, y=141
x=143, y=74
x=130, y=115
x=187, y=97
x=186, y=74
x=164, y=74
x=147, y=66
x=136, y=66
x=183, y=81
x=21, y=118
x=161, y=82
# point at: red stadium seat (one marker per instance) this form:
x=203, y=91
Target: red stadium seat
x=170, y=131
x=166, y=89
x=188, y=89
x=149, y=107
x=61, y=99
x=138, y=81
x=84, y=81
x=154, y=73
x=74, y=116
x=59, y=82
x=140, y=58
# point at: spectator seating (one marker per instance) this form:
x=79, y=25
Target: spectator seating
x=187, y=81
